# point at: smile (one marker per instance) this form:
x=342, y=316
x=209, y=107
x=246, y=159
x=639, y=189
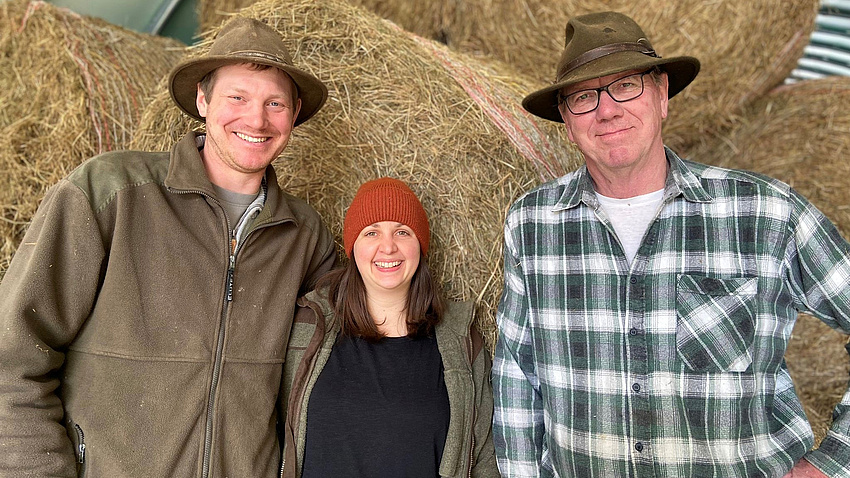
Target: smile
x=612, y=133
x=252, y=139
x=387, y=265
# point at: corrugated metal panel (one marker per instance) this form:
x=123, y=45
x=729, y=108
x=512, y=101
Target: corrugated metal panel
x=828, y=52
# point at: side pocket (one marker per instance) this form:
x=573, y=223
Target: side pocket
x=78, y=440
x=716, y=322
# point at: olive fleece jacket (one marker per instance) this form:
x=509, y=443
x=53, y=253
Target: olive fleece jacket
x=469, y=448
x=132, y=341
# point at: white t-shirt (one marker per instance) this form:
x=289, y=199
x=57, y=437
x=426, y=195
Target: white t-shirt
x=630, y=217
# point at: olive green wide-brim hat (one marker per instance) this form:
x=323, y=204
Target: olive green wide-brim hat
x=601, y=44
x=245, y=40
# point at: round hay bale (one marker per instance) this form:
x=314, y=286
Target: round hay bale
x=406, y=107
x=213, y=12
x=71, y=87
x=800, y=134
x=746, y=48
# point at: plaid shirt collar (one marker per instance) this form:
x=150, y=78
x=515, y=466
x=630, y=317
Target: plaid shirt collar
x=578, y=187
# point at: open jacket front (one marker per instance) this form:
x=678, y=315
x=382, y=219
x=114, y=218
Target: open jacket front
x=469, y=442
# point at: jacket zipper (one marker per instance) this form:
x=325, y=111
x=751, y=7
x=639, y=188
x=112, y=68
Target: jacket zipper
x=472, y=423
x=222, y=321
x=81, y=445
x=218, y=357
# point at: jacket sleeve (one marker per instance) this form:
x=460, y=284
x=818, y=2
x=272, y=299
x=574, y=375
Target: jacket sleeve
x=817, y=262
x=484, y=455
x=518, y=429
x=45, y=297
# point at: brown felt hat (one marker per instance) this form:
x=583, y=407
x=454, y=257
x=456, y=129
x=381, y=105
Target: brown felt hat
x=245, y=40
x=601, y=44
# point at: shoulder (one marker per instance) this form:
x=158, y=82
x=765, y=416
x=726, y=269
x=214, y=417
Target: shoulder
x=546, y=194
x=727, y=182
x=102, y=177
x=458, y=317
x=303, y=213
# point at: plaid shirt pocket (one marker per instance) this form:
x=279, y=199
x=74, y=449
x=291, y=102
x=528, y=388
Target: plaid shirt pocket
x=716, y=322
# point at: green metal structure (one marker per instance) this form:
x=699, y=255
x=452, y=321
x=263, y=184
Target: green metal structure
x=172, y=18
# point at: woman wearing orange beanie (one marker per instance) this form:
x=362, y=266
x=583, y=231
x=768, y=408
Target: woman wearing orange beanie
x=394, y=380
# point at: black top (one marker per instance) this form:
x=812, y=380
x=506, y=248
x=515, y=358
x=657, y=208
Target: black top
x=378, y=410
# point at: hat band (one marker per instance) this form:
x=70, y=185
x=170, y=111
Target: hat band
x=606, y=50
x=260, y=55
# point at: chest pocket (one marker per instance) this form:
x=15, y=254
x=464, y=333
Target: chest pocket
x=716, y=322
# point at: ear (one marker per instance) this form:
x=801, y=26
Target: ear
x=565, y=115
x=664, y=88
x=297, y=111
x=201, y=102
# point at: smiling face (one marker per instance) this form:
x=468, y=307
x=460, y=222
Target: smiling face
x=249, y=116
x=617, y=136
x=387, y=255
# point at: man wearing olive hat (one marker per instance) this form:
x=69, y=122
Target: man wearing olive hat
x=144, y=318
x=649, y=300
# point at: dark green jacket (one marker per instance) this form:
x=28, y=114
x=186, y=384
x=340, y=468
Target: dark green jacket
x=469, y=443
x=123, y=352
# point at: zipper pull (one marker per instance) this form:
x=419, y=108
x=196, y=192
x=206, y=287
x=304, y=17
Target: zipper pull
x=230, y=285
x=81, y=447
x=231, y=267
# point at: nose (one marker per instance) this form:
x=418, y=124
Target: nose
x=387, y=244
x=256, y=116
x=608, y=108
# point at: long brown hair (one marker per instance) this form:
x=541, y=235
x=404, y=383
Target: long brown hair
x=347, y=295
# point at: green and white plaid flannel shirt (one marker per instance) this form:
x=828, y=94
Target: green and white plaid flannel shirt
x=672, y=367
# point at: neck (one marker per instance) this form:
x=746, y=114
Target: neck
x=632, y=181
x=243, y=183
x=389, y=313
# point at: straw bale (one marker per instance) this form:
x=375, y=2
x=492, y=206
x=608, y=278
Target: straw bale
x=800, y=134
x=403, y=106
x=70, y=87
x=746, y=48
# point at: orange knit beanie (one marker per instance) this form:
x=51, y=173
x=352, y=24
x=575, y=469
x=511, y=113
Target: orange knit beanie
x=385, y=199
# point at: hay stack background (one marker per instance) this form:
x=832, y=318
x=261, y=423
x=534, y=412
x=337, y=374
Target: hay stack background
x=800, y=134
x=746, y=48
x=408, y=108
x=70, y=87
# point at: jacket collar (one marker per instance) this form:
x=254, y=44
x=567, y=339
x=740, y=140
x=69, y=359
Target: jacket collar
x=186, y=173
x=461, y=314
x=681, y=180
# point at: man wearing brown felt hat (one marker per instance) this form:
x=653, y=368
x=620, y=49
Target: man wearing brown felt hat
x=649, y=300
x=144, y=319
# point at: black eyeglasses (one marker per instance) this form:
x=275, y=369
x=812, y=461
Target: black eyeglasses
x=620, y=90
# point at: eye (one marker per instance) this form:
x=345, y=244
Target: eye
x=402, y=232
x=236, y=98
x=627, y=84
x=370, y=234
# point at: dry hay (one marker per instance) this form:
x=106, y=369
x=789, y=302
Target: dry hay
x=746, y=47
x=449, y=126
x=70, y=87
x=211, y=13
x=800, y=134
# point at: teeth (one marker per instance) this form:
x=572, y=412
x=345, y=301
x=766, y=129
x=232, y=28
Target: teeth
x=251, y=139
x=387, y=265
